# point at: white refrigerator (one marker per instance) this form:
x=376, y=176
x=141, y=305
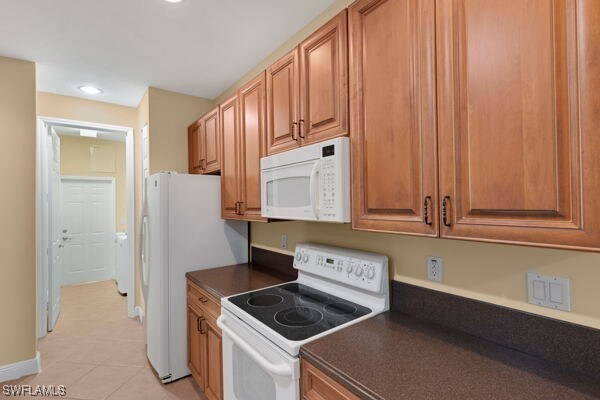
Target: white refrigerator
x=182, y=231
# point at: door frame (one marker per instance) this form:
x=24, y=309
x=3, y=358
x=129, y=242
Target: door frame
x=42, y=214
x=113, y=194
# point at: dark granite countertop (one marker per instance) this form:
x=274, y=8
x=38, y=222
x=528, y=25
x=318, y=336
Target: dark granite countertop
x=393, y=356
x=234, y=279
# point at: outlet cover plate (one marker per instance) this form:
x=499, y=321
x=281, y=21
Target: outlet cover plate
x=435, y=268
x=284, y=241
x=549, y=291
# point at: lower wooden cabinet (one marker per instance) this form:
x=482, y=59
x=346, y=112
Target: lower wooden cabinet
x=315, y=385
x=204, y=342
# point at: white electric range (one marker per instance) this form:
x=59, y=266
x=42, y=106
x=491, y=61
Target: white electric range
x=263, y=330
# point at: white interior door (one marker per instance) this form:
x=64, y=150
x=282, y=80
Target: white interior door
x=56, y=248
x=88, y=221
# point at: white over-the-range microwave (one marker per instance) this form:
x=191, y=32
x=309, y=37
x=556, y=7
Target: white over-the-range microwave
x=310, y=183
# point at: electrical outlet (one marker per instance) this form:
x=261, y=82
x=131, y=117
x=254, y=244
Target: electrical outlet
x=435, y=268
x=284, y=243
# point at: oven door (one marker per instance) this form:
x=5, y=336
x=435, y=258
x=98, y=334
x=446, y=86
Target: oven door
x=253, y=367
x=291, y=191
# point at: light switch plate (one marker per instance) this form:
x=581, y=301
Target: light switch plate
x=549, y=291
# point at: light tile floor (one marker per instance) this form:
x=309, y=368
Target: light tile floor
x=97, y=352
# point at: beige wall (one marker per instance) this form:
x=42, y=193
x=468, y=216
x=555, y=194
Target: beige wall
x=17, y=211
x=75, y=160
x=74, y=108
x=169, y=116
x=489, y=272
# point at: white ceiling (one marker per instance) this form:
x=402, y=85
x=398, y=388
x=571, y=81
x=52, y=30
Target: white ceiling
x=197, y=47
x=102, y=135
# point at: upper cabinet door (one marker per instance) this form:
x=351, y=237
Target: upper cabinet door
x=252, y=144
x=228, y=119
x=324, y=82
x=393, y=127
x=511, y=124
x=282, y=104
x=195, y=147
x=212, y=148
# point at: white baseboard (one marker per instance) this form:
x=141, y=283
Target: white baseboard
x=16, y=370
x=139, y=312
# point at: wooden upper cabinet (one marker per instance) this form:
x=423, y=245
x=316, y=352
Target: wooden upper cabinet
x=212, y=142
x=230, y=190
x=324, y=82
x=252, y=103
x=393, y=125
x=518, y=151
x=195, y=147
x=282, y=84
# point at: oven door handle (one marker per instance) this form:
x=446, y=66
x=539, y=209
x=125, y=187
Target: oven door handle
x=273, y=369
x=314, y=189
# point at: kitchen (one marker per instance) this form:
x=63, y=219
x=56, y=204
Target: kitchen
x=397, y=203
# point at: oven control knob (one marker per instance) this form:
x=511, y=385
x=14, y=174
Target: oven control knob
x=358, y=271
x=349, y=268
x=298, y=256
x=305, y=258
x=370, y=273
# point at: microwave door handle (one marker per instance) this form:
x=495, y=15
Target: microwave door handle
x=273, y=369
x=314, y=189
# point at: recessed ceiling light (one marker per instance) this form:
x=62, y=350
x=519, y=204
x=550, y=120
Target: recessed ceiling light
x=90, y=89
x=88, y=133
x=173, y=1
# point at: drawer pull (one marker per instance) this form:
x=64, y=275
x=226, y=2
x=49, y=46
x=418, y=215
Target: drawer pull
x=203, y=299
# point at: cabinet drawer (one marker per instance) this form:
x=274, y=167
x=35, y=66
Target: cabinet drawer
x=199, y=299
x=318, y=386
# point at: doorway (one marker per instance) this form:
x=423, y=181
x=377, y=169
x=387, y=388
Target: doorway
x=85, y=196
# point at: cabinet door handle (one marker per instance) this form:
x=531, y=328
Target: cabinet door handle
x=294, y=135
x=203, y=326
x=300, y=128
x=241, y=207
x=237, y=208
x=199, y=321
x=445, y=216
x=426, y=215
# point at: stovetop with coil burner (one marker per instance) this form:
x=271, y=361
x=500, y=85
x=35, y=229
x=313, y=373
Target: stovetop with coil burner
x=297, y=311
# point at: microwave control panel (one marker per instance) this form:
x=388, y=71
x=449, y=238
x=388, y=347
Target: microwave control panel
x=334, y=183
x=368, y=271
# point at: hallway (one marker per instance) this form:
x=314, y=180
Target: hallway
x=97, y=352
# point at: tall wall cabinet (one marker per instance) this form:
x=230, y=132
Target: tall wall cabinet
x=505, y=88
x=243, y=136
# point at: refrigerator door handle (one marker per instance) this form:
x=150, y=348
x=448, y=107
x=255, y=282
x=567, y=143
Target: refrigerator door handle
x=144, y=250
